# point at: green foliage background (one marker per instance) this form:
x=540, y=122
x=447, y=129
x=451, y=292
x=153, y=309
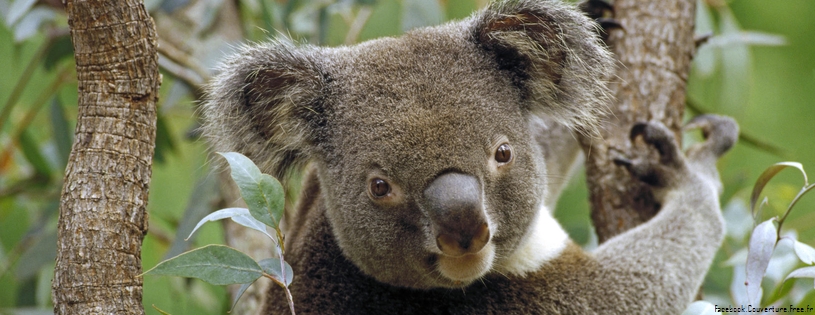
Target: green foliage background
x=743, y=73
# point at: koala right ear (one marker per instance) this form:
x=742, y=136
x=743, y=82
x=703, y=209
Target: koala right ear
x=554, y=56
x=266, y=104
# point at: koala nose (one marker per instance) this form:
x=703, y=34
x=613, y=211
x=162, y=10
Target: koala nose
x=458, y=220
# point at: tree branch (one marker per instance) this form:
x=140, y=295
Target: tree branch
x=654, y=50
x=103, y=217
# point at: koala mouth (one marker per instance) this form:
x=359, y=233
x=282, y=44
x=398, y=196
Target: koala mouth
x=464, y=269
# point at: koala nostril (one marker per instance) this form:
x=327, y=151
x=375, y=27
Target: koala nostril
x=457, y=245
x=481, y=237
x=454, y=205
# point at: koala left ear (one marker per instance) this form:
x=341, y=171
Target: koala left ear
x=267, y=104
x=554, y=56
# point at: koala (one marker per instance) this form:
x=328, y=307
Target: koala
x=432, y=161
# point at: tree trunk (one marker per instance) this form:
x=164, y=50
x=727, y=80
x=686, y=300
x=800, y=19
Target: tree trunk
x=654, y=49
x=102, y=211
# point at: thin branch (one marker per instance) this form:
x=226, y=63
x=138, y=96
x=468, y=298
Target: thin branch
x=169, y=50
x=38, y=104
x=186, y=75
x=23, y=81
x=359, y=22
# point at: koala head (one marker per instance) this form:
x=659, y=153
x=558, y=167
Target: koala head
x=422, y=144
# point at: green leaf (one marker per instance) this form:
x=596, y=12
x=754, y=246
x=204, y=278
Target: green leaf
x=266, y=14
x=804, y=252
x=165, y=145
x=768, y=174
x=32, y=153
x=17, y=10
x=272, y=267
x=262, y=193
x=760, y=249
x=42, y=291
x=419, y=13
x=705, y=58
x=215, y=264
x=30, y=23
x=239, y=215
x=805, y=272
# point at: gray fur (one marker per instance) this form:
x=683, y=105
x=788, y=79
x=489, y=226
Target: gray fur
x=440, y=100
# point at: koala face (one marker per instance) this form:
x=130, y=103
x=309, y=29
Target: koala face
x=428, y=169
x=430, y=176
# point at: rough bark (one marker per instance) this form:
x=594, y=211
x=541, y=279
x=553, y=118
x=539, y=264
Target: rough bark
x=654, y=50
x=103, y=217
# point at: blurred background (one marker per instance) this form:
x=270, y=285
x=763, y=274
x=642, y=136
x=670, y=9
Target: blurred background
x=758, y=67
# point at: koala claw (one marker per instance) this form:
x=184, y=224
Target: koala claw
x=622, y=161
x=661, y=138
x=601, y=12
x=670, y=158
x=596, y=9
x=720, y=135
x=609, y=24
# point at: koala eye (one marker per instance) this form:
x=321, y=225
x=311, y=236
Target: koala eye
x=379, y=188
x=503, y=154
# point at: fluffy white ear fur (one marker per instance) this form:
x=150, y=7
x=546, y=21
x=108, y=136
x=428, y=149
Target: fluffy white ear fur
x=545, y=241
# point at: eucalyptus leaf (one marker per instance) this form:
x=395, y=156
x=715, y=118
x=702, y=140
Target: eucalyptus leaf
x=737, y=216
x=700, y=308
x=29, y=25
x=737, y=289
x=767, y=175
x=239, y=215
x=748, y=38
x=60, y=49
x=33, y=155
x=42, y=292
x=782, y=262
x=262, y=193
x=17, y=10
x=805, y=272
x=4, y=8
x=215, y=264
x=165, y=145
x=705, y=58
x=760, y=249
x=805, y=252
x=272, y=267
x=738, y=258
x=418, y=13
x=736, y=64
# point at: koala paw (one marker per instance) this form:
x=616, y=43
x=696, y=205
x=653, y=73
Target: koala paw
x=658, y=174
x=720, y=135
x=601, y=12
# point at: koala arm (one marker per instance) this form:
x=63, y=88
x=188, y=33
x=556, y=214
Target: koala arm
x=668, y=256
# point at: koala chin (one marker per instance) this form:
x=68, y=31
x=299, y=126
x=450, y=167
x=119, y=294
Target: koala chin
x=431, y=160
